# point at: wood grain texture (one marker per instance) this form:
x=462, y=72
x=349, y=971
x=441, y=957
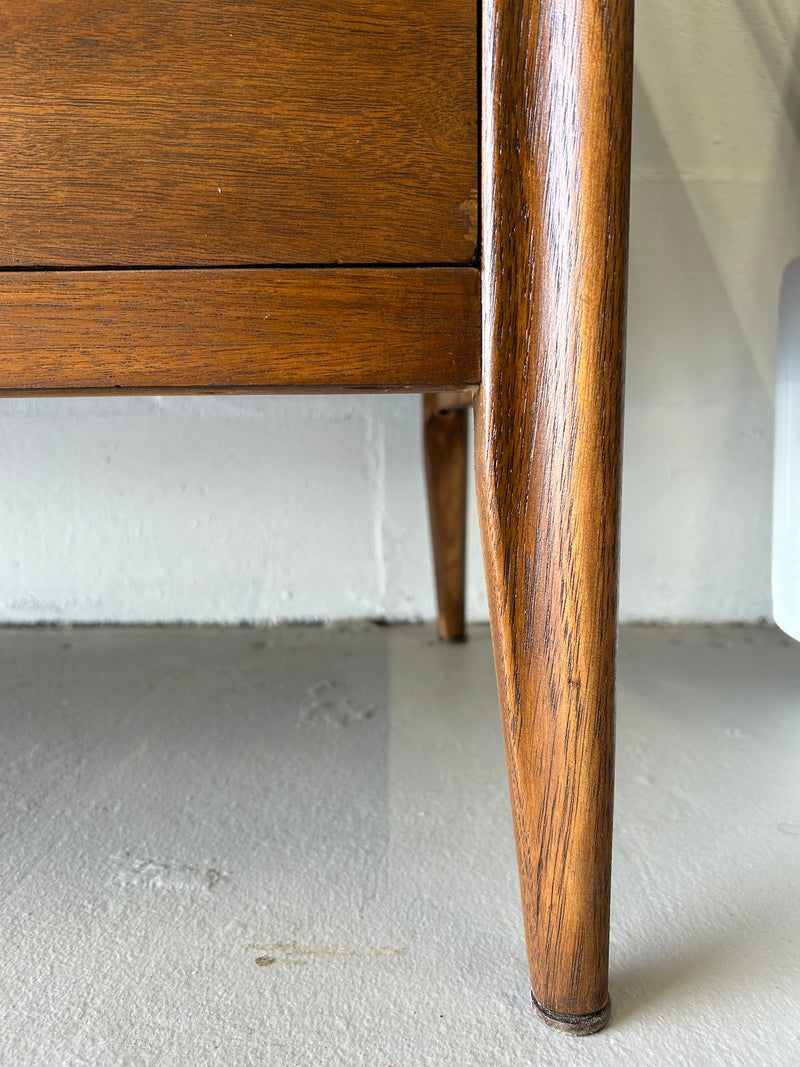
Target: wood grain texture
x=445, y=418
x=555, y=206
x=244, y=330
x=237, y=132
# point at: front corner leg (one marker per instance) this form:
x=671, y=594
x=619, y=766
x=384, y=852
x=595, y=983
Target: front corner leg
x=557, y=81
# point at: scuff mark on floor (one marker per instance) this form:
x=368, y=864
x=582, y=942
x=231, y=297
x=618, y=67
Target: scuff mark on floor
x=148, y=873
x=329, y=705
x=296, y=953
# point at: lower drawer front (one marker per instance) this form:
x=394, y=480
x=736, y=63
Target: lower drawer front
x=203, y=132
x=221, y=330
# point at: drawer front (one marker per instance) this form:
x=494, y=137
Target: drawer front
x=225, y=329
x=170, y=132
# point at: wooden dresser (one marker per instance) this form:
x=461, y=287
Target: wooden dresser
x=254, y=196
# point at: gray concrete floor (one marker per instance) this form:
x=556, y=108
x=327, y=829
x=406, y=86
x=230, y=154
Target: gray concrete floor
x=293, y=846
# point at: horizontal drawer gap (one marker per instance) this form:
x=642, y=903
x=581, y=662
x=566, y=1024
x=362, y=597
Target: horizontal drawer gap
x=160, y=267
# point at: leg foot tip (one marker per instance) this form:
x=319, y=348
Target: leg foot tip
x=580, y=1025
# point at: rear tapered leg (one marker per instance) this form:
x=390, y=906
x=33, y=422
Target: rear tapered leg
x=555, y=201
x=444, y=421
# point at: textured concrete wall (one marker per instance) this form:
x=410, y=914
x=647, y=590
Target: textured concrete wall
x=266, y=508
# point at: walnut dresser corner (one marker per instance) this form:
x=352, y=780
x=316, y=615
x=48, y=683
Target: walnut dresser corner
x=204, y=196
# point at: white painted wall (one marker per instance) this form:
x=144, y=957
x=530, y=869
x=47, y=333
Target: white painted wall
x=285, y=508
x=715, y=220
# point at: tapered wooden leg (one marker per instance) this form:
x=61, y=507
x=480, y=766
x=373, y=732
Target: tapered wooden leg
x=444, y=421
x=557, y=80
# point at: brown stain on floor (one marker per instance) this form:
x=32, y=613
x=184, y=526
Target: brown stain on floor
x=293, y=952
